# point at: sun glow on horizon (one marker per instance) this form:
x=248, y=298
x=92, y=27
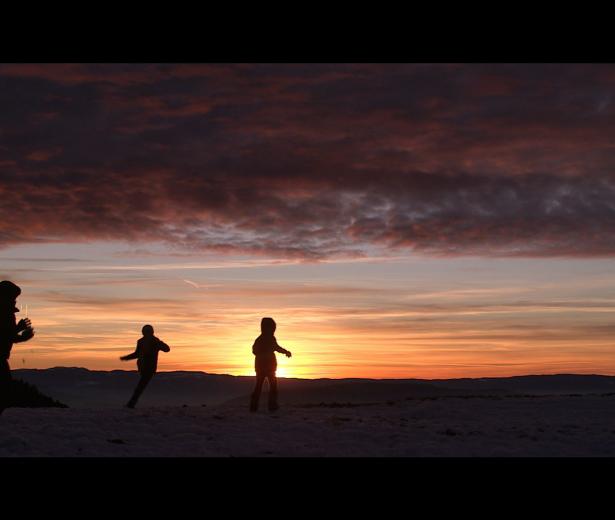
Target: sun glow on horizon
x=423, y=318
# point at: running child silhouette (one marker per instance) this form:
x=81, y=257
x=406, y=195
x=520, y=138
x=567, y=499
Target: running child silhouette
x=264, y=349
x=146, y=355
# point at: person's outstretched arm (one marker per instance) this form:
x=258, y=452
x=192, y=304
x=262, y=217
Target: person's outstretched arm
x=282, y=350
x=163, y=346
x=134, y=355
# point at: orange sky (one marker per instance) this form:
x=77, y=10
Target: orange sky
x=382, y=318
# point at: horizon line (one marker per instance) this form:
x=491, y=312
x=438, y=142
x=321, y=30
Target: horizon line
x=328, y=378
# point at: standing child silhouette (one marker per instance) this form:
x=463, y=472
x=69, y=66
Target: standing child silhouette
x=146, y=355
x=11, y=332
x=264, y=349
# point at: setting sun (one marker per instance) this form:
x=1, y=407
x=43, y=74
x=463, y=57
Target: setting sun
x=283, y=372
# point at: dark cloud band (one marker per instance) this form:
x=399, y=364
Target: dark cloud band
x=312, y=161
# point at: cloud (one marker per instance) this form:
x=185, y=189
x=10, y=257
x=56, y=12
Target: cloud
x=311, y=162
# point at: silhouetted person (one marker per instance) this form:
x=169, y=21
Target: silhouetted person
x=146, y=355
x=264, y=349
x=10, y=332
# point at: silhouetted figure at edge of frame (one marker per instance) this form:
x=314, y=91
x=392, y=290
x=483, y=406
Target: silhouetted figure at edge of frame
x=146, y=355
x=10, y=332
x=264, y=349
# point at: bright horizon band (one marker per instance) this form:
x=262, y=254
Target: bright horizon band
x=398, y=318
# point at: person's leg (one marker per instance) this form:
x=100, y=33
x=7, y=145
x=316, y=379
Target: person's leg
x=273, y=392
x=256, y=394
x=143, y=382
x=5, y=384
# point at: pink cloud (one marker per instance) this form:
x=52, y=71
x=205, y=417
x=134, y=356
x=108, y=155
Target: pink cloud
x=312, y=161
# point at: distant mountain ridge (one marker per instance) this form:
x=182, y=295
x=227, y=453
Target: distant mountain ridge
x=80, y=387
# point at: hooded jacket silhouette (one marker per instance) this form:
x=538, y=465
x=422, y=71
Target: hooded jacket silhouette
x=266, y=364
x=264, y=350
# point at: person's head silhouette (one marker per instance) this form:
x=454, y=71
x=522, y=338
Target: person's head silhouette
x=267, y=326
x=8, y=290
x=8, y=293
x=147, y=330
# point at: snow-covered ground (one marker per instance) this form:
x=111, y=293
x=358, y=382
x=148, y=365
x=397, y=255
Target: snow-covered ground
x=451, y=426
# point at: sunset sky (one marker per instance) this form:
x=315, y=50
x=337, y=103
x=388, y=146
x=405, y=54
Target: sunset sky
x=427, y=221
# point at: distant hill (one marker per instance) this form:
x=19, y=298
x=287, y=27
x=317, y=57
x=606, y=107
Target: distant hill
x=558, y=384
x=79, y=387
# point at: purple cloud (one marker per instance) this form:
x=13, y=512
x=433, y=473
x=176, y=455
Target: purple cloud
x=312, y=161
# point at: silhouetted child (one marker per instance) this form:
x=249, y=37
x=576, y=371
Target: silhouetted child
x=10, y=332
x=264, y=349
x=146, y=355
